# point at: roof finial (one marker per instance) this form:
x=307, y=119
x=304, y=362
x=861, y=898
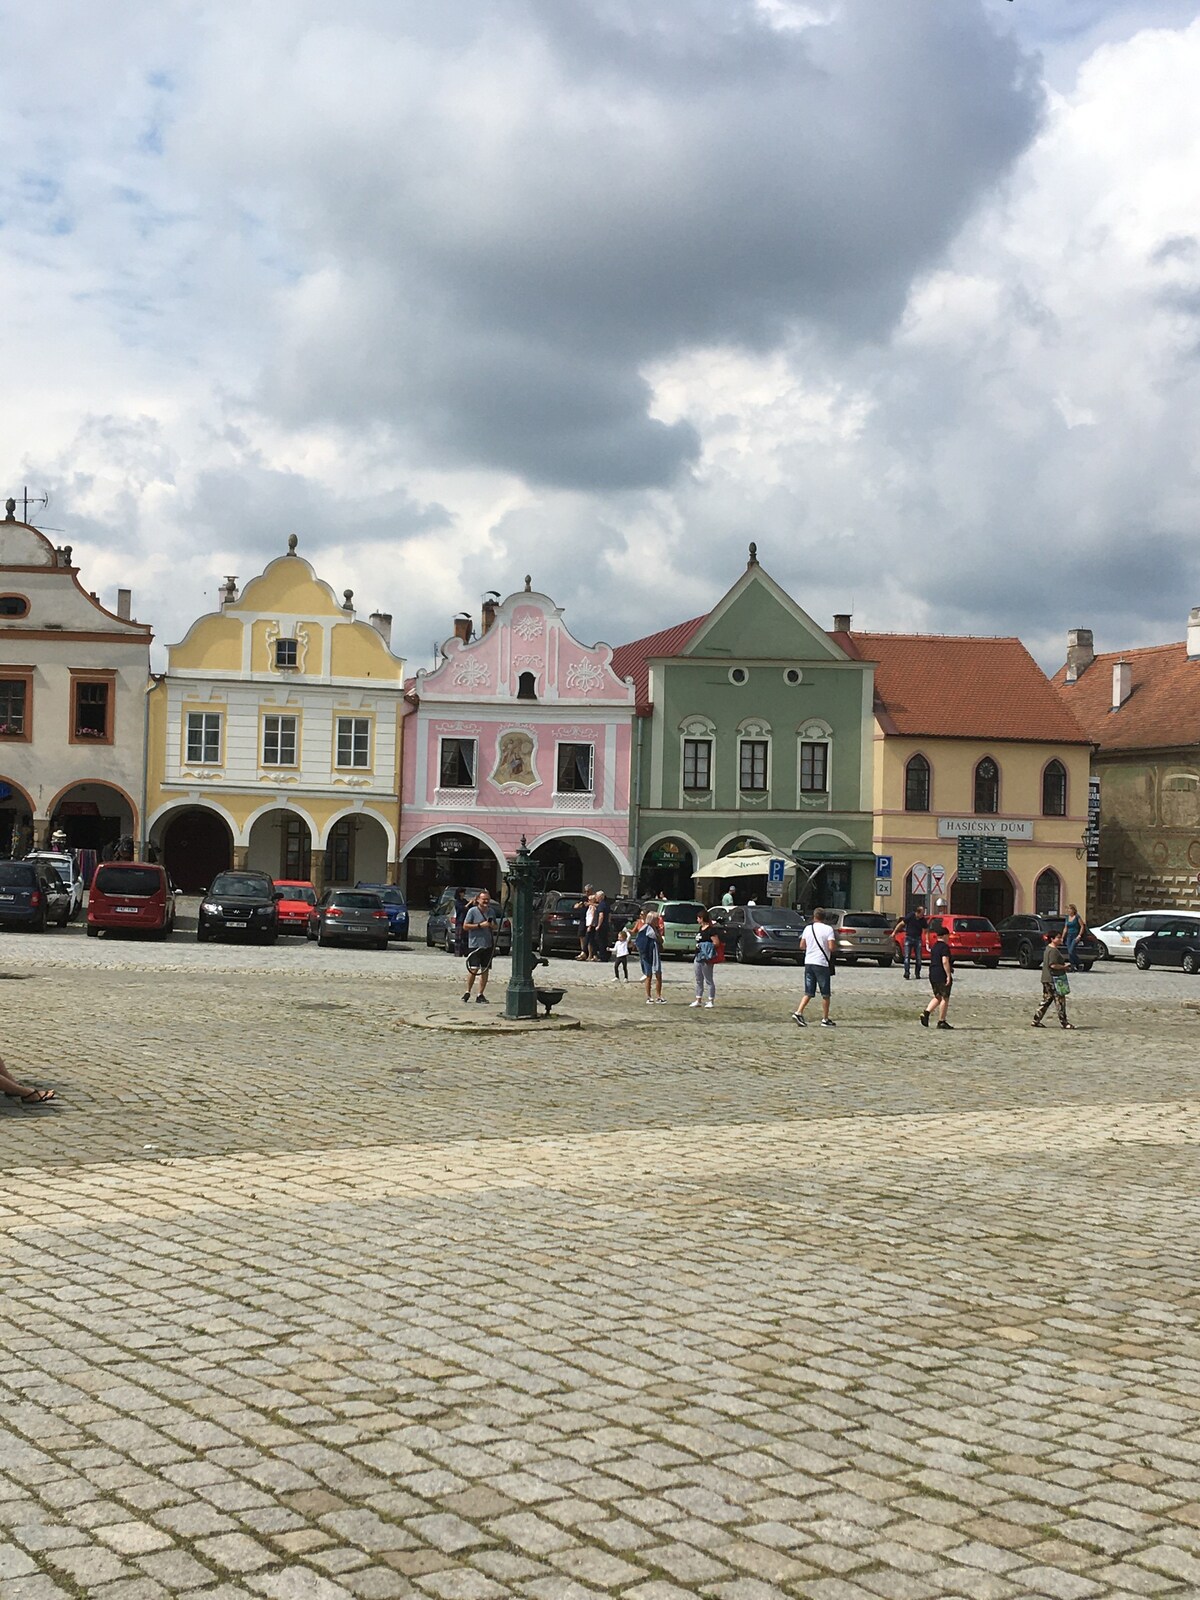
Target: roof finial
x=528, y=584
x=753, y=561
x=292, y=543
x=347, y=599
x=10, y=510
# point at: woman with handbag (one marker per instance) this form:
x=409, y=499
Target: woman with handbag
x=1056, y=985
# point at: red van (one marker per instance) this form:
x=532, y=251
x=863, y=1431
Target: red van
x=135, y=895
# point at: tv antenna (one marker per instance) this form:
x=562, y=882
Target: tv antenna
x=25, y=500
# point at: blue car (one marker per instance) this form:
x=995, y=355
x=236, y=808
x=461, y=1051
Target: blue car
x=393, y=904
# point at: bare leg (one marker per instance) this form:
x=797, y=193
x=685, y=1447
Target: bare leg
x=20, y=1091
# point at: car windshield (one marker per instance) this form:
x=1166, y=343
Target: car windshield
x=866, y=919
x=298, y=891
x=1052, y=925
x=776, y=917
x=391, y=897
x=682, y=911
x=241, y=883
x=358, y=902
x=972, y=925
x=131, y=882
x=60, y=869
x=16, y=874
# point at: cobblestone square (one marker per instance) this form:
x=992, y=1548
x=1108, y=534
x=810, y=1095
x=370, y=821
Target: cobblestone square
x=301, y=1303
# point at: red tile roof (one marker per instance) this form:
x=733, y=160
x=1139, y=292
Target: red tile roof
x=1163, y=708
x=941, y=686
x=633, y=660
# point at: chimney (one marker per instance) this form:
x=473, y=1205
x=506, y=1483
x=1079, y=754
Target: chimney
x=488, y=613
x=462, y=627
x=381, y=621
x=228, y=592
x=1122, y=683
x=1080, y=653
x=124, y=604
x=841, y=622
x=1193, y=634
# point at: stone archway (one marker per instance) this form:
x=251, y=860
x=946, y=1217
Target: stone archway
x=666, y=871
x=94, y=815
x=196, y=844
x=356, y=850
x=281, y=844
x=16, y=819
x=449, y=858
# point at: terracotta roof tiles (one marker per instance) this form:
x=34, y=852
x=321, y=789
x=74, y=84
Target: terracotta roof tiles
x=1163, y=708
x=633, y=660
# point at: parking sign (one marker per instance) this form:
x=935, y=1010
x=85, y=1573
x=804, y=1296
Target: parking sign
x=775, y=870
x=883, y=866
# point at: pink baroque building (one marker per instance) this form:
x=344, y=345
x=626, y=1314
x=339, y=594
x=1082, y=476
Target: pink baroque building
x=521, y=730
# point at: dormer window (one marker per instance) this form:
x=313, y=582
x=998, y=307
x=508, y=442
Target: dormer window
x=285, y=653
x=527, y=686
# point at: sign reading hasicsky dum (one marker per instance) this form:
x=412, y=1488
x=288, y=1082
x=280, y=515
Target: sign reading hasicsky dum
x=985, y=827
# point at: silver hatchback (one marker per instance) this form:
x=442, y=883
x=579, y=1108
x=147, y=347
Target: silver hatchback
x=863, y=936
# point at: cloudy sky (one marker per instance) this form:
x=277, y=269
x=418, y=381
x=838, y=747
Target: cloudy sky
x=908, y=291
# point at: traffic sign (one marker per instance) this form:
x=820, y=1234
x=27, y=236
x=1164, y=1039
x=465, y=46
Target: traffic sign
x=937, y=875
x=883, y=888
x=970, y=859
x=995, y=855
x=883, y=866
x=920, y=877
x=775, y=870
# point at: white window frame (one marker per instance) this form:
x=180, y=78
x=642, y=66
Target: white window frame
x=575, y=744
x=281, y=735
x=755, y=739
x=280, y=644
x=461, y=788
x=353, y=750
x=209, y=724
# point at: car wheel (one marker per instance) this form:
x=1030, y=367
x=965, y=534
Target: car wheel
x=1087, y=965
x=1025, y=955
x=1190, y=964
x=885, y=961
x=992, y=962
x=381, y=944
x=321, y=939
x=93, y=932
x=739, y=953
x=1141, y=960
x=1103, y=952
x=848, y=961
x=543, y=944
x=201, y=936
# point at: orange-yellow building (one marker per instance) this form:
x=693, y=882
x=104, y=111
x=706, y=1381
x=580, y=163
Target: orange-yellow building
x=972, y=741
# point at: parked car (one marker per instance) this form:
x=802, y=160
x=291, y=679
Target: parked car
x=135, y=896
x=294, y=899
x=970, y=938
x=64, y=865
x=349, y=916
x=556, y=924
x=240, y=905
x=439, y=929
x=395, y=906
x=863, y=936
x=1176, y=943
x=31, y=895
x=679, y=924
x=1024, y=938
x=760, y=933
x=1119, y=938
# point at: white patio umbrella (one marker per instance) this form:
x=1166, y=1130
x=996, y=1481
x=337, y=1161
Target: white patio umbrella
x=744, y=864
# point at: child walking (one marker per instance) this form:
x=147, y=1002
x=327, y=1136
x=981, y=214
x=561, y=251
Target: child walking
x=620, y=952
x=706, y=954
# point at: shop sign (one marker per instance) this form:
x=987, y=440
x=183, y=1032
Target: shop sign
x=983, y=828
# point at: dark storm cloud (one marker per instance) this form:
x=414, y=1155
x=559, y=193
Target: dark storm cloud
x=518, y=211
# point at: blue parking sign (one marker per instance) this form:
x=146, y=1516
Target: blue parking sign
x=883, y=866
x=775, y=870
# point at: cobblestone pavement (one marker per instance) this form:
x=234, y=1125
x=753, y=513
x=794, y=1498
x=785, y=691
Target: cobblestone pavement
x=299, y=1303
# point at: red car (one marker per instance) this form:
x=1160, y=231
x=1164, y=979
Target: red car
x=970, y=938
x=135, y=896
x=295, y=899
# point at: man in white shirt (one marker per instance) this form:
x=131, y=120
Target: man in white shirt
x=817, y=940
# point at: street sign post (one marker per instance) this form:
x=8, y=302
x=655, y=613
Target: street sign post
x=883, y=888
x=775, y=870
x=970, y=859
x=883, y=866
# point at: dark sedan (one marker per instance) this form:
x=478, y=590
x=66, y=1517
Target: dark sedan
x=349, y=916
x=763, y=933
x=1023, y=939
x=239, y=905
x=1175, y=944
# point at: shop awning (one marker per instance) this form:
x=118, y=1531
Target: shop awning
x=744, y=864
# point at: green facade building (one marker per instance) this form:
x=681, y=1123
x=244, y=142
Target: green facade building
x=754, y=730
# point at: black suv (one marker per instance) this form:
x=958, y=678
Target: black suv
x=239, y=905
x=1025, y=938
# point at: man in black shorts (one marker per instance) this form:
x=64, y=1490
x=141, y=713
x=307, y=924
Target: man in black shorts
x=941, y=977
x=480, y=927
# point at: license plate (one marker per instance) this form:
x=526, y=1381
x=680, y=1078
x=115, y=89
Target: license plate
x=235, y=924
x=979, y=950
x=7, y=897
x=126, y=911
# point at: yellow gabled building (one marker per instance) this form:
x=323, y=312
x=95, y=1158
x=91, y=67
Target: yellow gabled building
x=274, y=737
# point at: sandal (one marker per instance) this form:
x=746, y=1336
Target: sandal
x=36, y=1097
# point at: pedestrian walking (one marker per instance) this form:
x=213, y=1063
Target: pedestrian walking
x=1056, y=986
x=620, y=951
x=817, y=940
x=706, y=954
x=941, y=977
x=648, y=940
x=911, y=927
x=600, y=926
x=480, y=926
x=727, y=898
x=1073, y=930
x=582, y=908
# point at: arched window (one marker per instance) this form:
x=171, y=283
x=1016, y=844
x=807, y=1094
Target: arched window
x=987, y=786
x=1046, y=893
x=527, y=686
x=1054, y=790
x=916, y=784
